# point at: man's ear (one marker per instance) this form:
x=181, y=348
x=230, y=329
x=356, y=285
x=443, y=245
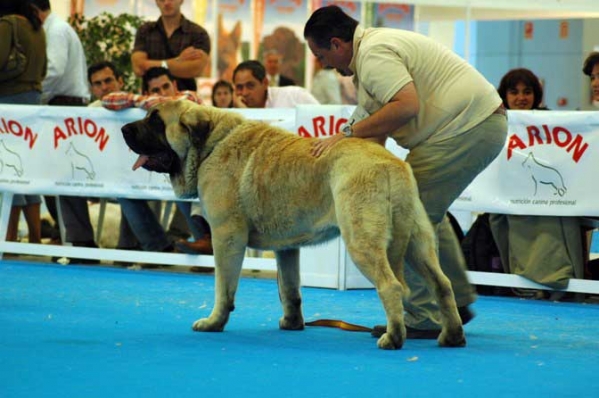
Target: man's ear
x=198, y=125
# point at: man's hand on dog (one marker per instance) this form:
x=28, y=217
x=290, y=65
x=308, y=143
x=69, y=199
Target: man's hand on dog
x=318, y=147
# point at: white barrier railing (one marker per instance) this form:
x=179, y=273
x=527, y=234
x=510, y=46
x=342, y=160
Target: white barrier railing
x=80, y=151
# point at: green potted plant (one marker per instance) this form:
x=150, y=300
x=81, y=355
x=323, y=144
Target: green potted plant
x=107, y=37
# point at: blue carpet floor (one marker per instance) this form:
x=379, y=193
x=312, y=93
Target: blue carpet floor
x=73, y=331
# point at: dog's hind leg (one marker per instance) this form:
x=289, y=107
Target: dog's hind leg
x=372, y=261
x=228, y=256
x=422, y=257
x=288, y=277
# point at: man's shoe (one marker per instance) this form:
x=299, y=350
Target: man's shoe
x=199, y=246
x=411, y=333
x=466, y=315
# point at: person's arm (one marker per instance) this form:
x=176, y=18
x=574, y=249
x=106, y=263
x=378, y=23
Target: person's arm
x=122, y=100
x=402, y=108
x=138, y=62
x=190, y=63
x=139, y=56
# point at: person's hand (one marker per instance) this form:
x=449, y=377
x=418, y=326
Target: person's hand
x=238, y=102
x=191, y=53
x=319, y=146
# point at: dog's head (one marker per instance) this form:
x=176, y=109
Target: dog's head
x=169, y=140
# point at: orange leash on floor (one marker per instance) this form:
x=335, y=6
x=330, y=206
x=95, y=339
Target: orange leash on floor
x=334, y=323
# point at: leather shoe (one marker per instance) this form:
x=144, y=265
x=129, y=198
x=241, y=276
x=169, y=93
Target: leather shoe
x=411, y=333
x=466, y=315
x=199, y=246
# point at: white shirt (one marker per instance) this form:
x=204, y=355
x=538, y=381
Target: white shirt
x=288, y=97
x=67, y=66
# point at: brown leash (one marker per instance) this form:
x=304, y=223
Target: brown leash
x=334, y=323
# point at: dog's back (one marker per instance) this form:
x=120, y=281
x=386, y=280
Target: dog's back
x=290, y=198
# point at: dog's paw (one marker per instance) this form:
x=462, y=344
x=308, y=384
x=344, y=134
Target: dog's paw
x=453, y=339
x=205, y=325
x=386, y=342
x=295, y=323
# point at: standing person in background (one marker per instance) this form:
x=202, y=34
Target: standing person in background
x=325, y=85
x=545, y=249
x=66, y=85
x=272, y=64
x=173, y=43
x=431, y=102
x=25, y=88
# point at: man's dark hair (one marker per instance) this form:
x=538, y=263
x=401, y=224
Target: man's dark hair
x=590, y=62
x=328, y=22
x=152, y=74
x=43, y=5
x=521, y=75
x=253, y=66
x=98, y=66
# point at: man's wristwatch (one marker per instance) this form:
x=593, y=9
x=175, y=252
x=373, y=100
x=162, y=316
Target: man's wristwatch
x=347, y=130
x=163, y=64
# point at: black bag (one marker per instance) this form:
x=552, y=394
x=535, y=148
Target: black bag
x=481, y=252
x=17, y=60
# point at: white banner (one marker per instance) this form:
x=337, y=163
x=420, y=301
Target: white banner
x=72, y=151
x=545, y=168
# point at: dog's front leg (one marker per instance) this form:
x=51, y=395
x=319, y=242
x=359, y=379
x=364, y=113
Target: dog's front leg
x=289, y=289
x=229, y=259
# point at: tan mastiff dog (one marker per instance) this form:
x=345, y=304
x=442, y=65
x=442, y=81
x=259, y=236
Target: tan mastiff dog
x=261, y=188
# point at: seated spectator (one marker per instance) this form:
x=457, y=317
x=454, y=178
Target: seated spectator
x=251, y=85
x=545, y=249
x=223, y=94
x=591, y=69
x=159, y=85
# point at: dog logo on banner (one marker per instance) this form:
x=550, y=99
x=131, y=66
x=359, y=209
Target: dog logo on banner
x=80, y=163
x=10, y=159
x=545, y=175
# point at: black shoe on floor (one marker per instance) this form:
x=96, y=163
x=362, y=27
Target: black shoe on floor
x=411, y=333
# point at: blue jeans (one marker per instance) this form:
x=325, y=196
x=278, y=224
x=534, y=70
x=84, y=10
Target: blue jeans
x=144, y=225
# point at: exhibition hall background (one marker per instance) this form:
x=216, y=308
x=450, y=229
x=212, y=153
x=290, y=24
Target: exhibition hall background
x=552, y=42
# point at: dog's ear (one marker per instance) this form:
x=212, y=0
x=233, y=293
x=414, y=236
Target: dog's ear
x=198, y=124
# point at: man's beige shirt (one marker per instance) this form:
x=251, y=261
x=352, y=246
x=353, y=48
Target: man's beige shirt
x=454, y=97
